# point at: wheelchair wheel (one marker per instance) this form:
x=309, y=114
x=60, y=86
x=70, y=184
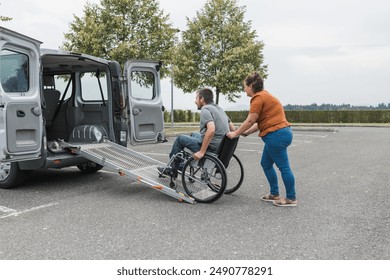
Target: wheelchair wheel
x=204, y=180
x=235, y=174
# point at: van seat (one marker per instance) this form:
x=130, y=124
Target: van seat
x=52, y=97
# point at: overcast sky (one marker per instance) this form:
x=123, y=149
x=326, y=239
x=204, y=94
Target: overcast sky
x=334, y=51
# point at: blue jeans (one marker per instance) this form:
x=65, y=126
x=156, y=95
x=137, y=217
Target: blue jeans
x=192, y=142
x=275, y=152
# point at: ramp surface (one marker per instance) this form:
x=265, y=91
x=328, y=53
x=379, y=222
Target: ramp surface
x=133, y=164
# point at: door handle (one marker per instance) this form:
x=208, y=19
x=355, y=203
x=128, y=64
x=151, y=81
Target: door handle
x=136, y=111
x=20, y=114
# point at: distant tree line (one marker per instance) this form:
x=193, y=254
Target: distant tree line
x=362, y=115
x=334, y=107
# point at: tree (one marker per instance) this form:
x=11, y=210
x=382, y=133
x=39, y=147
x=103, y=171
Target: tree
x=122, y=29
x=4, y=18
x=218, y=49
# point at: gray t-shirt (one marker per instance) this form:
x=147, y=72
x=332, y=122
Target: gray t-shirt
x=212, y=112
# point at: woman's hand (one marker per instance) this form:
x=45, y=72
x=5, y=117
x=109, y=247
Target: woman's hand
x=232, y=134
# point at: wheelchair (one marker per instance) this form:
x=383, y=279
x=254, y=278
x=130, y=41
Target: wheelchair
x=206, y=180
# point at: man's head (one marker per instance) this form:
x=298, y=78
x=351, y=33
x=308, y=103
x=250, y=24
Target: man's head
x=204, y=96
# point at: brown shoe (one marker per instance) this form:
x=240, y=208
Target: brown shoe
x=270, y=197
x=285, y=202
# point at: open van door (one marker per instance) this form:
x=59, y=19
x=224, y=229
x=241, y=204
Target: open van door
x=21, y=122
x=145, y=103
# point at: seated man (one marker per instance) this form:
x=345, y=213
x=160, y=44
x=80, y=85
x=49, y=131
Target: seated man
x=214, y=124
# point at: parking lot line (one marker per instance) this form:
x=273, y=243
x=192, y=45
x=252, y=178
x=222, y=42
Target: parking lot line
x=6, y=209
x=310, y=135
x=17, y=213
x=246, y=150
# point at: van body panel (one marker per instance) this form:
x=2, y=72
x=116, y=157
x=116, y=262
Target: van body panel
x=145, y=102
x=21, y=123
x=51, y=99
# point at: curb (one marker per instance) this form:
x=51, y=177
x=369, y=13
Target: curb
x=318, y=129
x=295, y=127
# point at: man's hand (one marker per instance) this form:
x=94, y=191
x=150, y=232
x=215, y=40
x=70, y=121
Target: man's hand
x=198, y=155
x=232, y=134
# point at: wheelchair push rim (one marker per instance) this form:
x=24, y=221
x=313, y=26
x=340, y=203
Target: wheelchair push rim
x=204, y=180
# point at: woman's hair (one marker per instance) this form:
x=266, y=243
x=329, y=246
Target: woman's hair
x=256, y=81
x=207, y=94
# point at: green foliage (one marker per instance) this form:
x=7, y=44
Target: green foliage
x=218, y=50
x=357, y=116
x=354, y=116
x=4, y=18
x=121, y=30
x=333, y=107
x=182, y=116
x=189, y=116
x=167, y=116
x=237, y=116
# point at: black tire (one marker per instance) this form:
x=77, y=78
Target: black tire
x=89, y=167
x=235, y=174
x=10, y=175
x=204, y=180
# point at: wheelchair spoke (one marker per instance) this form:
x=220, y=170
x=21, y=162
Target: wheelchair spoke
x=204, y=180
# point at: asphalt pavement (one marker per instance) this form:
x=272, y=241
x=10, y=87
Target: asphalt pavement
x=342, y=182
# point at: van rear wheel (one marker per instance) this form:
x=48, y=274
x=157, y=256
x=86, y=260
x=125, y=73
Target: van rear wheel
x=10, y=175
x=89, y=167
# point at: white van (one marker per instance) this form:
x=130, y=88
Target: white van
x=49, y=97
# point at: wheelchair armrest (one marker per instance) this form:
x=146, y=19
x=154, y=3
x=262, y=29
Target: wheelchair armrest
x=188, y=151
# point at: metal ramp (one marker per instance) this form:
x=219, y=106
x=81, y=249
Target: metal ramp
x=128, y=162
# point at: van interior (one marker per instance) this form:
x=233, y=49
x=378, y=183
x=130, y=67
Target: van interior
x=76, y=99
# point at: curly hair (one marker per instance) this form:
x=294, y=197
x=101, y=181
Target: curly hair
x=255, y=80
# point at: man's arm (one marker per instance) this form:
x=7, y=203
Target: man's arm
x=231, y=126
x=210, y=131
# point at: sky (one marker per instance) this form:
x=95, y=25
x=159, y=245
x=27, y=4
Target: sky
x=334, y=51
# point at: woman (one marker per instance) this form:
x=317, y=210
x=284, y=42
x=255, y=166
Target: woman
x=267, y=115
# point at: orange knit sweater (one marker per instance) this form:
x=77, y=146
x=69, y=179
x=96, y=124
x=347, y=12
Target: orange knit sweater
x=270, y=111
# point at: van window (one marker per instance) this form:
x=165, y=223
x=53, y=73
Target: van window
x=142, y=85
x=61, y=83
x=14, y=70
x=92, y=87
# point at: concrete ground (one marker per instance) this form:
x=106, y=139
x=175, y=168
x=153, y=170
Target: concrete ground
x=342, y=183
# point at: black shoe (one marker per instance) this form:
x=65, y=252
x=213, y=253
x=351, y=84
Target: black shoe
x=167, y=170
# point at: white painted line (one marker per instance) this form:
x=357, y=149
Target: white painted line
x=310, y=135
x=155, y=154
x=251, y=143
x=107, y=171
x=6, y=209
x=17, y=213
x=246, y=150
x=303, y=140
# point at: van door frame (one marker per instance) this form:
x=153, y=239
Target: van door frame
x=146, y=118
x=21, y=123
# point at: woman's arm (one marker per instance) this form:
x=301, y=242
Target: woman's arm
x=246, y=125
x=254, y=128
